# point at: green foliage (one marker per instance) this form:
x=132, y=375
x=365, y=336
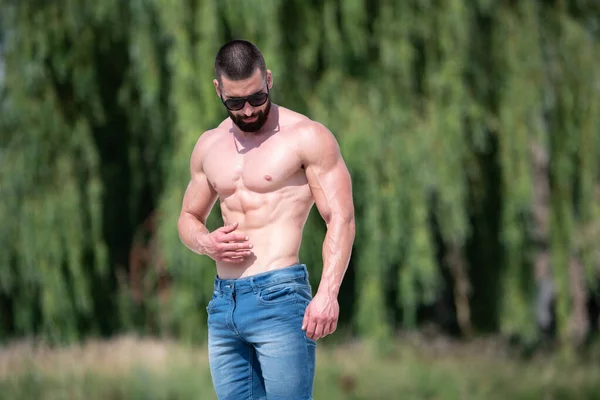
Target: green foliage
x=436, y=106
x=344, y=373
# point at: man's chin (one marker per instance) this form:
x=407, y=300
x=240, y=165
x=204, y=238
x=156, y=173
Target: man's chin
x=250, y=127
x=254, y=126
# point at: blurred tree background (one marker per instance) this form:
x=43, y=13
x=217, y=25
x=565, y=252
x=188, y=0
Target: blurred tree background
x=471, y=129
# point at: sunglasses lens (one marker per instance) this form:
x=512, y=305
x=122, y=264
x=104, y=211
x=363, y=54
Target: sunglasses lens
x=258, y=99
x=235, y=104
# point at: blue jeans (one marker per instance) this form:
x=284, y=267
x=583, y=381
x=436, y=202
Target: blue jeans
x=256, y=346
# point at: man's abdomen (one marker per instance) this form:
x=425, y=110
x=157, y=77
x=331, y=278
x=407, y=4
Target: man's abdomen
x=275, y=246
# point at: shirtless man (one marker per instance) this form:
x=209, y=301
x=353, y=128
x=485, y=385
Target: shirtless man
x=267, y=165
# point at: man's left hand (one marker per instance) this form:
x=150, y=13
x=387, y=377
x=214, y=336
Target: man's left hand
x=321, y=316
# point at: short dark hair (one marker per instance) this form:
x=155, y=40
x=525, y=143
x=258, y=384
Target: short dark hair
x=238, y=59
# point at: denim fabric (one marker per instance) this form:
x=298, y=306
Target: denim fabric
x=256, y=346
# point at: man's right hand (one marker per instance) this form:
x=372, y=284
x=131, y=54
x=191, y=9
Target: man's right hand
x=224, y=245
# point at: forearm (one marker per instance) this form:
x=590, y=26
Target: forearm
x=190, y=230
x=337, y=248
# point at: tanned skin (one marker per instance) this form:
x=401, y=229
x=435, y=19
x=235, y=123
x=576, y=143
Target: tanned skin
x=267, y=182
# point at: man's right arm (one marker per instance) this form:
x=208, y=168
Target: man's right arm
x=199, y=198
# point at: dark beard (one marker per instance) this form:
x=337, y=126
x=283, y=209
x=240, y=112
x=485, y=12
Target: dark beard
x=251, y=126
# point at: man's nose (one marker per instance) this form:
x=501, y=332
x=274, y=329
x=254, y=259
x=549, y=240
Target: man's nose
x=248, y=109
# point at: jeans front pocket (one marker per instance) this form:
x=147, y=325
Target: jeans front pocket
x=278, y=293
x=211, y=303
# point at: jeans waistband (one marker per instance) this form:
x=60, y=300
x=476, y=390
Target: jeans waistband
x=254, y=282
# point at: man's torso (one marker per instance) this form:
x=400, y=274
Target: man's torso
x=262, y=185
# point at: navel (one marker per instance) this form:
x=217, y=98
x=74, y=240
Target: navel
x=268, y=177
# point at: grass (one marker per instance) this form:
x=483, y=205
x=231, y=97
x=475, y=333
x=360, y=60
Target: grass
x=414, y=368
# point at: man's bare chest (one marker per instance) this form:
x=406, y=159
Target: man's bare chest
x=266, y=168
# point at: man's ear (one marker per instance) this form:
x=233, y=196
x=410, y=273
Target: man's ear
x=217, y=88
x=269, y=79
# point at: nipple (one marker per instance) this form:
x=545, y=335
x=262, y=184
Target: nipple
x=268, y=177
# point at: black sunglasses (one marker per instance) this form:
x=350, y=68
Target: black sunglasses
x=255, y=100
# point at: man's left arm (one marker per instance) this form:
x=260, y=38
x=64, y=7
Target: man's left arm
x=331, y=186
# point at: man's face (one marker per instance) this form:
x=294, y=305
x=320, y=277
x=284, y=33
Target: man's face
x=244, y=93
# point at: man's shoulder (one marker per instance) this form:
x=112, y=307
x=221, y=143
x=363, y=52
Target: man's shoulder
x=313, y=139
x=209, y=136
x=313, y=133
x=204, y=142
x=302, y=126
x=291, y=117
